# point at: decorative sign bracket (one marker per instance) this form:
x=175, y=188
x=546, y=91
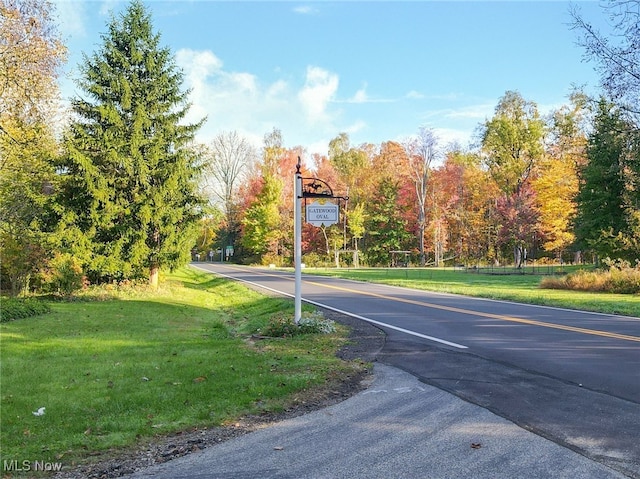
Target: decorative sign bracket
x=316, y=188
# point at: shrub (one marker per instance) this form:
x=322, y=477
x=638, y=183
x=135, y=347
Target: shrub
x=14, y=308
x=64, y=274
x=315, y=260
x=315, y=323
x=620, y=278
x=624, y=278
x=271, y=258
x=21, y=259
x=597, y=281
x=283, y=325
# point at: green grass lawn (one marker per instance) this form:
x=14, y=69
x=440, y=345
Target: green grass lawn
x=136, y=364
x=514, y=287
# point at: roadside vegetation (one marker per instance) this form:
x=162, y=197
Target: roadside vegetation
x=92, y=359
x=566, y=288
x=17, y=308
x=620, y=278
x=109, y=366
x=117, y=365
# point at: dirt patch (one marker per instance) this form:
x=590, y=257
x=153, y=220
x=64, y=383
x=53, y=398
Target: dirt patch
x=365, y=342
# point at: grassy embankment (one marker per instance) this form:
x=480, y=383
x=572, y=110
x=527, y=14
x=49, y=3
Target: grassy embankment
x=523, y=288
x=135, y=364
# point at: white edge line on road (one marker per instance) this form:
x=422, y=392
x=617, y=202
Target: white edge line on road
x=357, y=316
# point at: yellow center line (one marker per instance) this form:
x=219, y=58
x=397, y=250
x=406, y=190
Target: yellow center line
x=532, y=322
x=593, y=332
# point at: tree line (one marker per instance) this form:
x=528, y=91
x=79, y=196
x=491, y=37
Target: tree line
x=123, y=189
x=562, y=188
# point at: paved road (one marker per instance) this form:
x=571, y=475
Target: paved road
x=568, y=376
x=398, y=428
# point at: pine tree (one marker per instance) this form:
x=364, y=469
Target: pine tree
x=130, y=186
x=602, y=219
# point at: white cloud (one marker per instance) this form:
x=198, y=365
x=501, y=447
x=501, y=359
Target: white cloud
x=278, y=88
x=109, y=6
x=469, y=112
x=360, y=96
x=320, y=88
x=321, y=147
x=547, y=108
x=415, y=95
x=198, y=65
x=238, y=101
x=71, y=16
x=305, y=10
x=447, y=136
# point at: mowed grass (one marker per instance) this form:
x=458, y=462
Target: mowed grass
x=110, y=373
x=523, y=288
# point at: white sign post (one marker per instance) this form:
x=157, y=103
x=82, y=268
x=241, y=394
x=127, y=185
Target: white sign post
x=319, y=213
x=297, y=233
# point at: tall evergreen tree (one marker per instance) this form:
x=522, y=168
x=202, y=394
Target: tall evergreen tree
x=131, y=174
x=603, y=219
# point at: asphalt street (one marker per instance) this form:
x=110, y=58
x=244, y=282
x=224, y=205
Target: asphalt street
x=566, y=380
x=398, y=427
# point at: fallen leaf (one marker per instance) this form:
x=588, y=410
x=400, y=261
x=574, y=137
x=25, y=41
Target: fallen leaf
x=200, y=379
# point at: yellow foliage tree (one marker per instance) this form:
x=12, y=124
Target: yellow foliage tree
x=31, y=54
x=556, y=183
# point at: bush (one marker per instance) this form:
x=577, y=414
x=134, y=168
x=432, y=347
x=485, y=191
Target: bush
x=14, y=308
x=271, y=258
x=624, y=278
x=315, y=260
x=63, y=275
x=282, y=325
x=620, y=278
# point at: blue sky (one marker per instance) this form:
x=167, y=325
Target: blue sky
x=376, y=70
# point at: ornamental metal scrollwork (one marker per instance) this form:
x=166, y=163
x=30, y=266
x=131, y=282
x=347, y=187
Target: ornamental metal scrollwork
x=316, y=188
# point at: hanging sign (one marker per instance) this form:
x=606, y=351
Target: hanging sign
x=322, y=214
